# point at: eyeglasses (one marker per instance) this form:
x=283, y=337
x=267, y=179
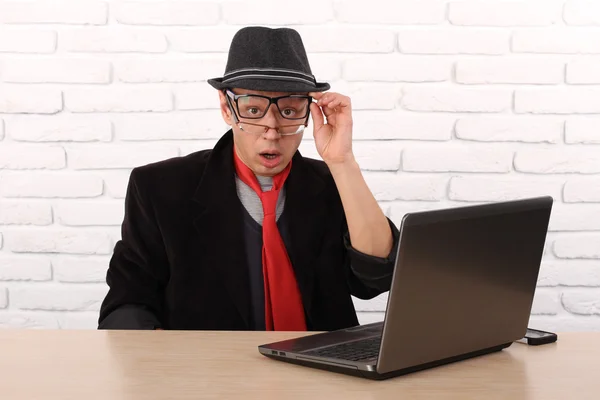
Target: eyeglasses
x=291, y=107
x=254, y=106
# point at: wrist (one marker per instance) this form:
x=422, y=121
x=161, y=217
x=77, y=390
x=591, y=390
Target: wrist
x=348, y=165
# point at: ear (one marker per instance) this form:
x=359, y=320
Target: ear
x=225, y=110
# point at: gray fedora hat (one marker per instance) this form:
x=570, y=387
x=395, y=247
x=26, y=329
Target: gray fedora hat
x=268, y=59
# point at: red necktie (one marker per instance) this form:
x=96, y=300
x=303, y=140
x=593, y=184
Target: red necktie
x=283, y=304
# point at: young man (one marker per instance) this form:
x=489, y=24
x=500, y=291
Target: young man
x=250, y=235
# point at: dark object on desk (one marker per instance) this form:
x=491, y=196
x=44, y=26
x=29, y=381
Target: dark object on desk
x=463, y=286
x=535, y=337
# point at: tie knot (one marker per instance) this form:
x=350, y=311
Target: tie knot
x=269, y=201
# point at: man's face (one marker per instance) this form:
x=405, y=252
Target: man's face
x=266, y=154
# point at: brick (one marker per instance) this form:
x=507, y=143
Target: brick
x=30, y=100
x=197, y=145
x=546, y=301
x=456, y=159
x=81, y=269
x=453, y=99
x=510, y=70
x=271, y=12
x=371, y=96
x=575, y=217
x=115, y=182
x=365, y=318
x=1, y=129
x=25, y=213
x=582, y=190
x=81, y=320
x=68, y=241
x=582, y=301
x=453, y=41
x=582, y=130
x=196, y=96
x=510, y=129
x=347, y=39
x=326, y=67
x=548, y=276
x=25, y=268
x=58, y=297
x=573, y=100
x=168, y=70
x=565, y=323
x=378, y=303
x=49, y=184
x=24, y=156
x=201, y=40
x=3, y=298
x=60, y=128
x=118, y=156
x=119, y=99
x=553, y=161
x=113, y=40
x=377, y=156
x=469, y=188
x=387, y=186
x=583, y=71
x=411, y=12
x=17, y=40
x=173, y=126
x=503, y=13
x=28, y=320
x=584, y=273
x=391, y=125
x=166, y=13
x=85, y=213
x=571, y=246
x=556, y=41
x=581, y=12
x=56, y=71
x=395, y=68
x=54, y=12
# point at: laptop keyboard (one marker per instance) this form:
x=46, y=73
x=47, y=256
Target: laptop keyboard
x=353, y=351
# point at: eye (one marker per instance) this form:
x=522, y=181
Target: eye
x=288, y=112
x=253, y=110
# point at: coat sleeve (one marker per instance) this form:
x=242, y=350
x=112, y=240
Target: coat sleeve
x=137, y=272
x=371, y=276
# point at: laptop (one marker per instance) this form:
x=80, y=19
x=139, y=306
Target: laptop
x=463, y=286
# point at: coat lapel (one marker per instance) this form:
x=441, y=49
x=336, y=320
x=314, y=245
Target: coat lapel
x=218, y=220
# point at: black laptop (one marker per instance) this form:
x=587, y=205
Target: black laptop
x=463, y=286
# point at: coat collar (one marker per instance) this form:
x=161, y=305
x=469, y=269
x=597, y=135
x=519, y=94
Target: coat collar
x=218, y=219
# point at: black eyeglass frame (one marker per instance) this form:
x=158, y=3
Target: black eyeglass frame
x=272, y=100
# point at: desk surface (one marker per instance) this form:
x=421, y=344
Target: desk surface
x=118, y=365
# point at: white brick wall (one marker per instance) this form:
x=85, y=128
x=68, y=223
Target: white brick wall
x=456, y=102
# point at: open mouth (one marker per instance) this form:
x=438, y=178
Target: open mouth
x=270, y=155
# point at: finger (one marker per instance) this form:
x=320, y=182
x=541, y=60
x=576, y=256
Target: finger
x=316, y=95
x=329, y=112
x=339, y=101
x=317, y=116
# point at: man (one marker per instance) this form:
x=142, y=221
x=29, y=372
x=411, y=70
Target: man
x=250, y=235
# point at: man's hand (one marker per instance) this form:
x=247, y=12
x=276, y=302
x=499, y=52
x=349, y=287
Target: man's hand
x=334, y=138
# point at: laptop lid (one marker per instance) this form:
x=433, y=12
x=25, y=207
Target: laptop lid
x=464, y=280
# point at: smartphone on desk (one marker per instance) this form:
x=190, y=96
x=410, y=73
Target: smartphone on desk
x=535, y=337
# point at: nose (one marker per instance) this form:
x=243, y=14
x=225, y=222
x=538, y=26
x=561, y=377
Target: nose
x=270, y=119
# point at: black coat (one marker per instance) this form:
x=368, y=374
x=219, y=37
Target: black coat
x=181, y=265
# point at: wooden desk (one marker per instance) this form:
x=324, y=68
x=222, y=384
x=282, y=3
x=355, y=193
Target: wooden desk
x=114, y=365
